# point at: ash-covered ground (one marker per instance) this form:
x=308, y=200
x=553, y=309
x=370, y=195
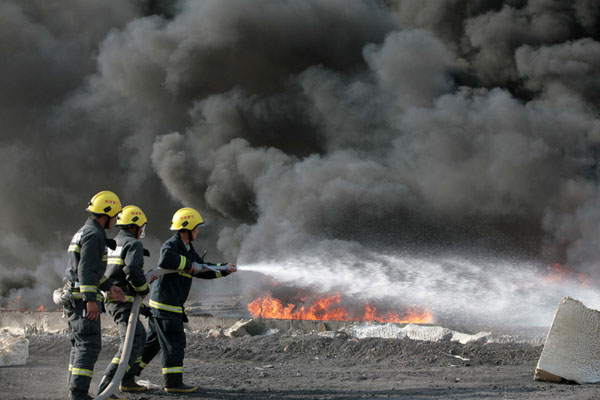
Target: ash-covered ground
x=290, y=365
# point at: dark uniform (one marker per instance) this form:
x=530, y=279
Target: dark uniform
x=168, y=294
x=126, y=270
x=85, y=279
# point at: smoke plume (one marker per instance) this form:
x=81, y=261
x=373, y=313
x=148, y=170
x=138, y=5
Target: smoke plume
x=332, y=129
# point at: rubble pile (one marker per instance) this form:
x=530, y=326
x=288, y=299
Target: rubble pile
x=364, y=330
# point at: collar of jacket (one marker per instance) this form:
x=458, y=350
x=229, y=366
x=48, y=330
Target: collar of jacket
x=181, y=243
x=126, y=232
x=92, y=222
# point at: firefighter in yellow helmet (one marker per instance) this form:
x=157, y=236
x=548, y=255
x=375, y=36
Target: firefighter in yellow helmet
x=126, y=270
x=84, y=281
x=169, y=293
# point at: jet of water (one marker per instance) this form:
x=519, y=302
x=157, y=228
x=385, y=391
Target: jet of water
x=485, y=289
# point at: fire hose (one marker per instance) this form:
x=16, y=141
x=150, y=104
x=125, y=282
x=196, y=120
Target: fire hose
x=131, y=326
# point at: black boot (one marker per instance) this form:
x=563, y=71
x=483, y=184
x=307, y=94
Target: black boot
x=79, y=395
x=128, y=384
x=174, y=384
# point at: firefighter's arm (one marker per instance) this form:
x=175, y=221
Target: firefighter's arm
x=170, y=259
x=134, y=268
x=208, y=270
x=92, y=251
x=103, y=283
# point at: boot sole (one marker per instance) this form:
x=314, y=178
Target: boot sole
x=176, y=390
x=133, y=389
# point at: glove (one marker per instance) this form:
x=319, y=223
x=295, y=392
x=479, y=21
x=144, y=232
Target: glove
x=196, y=268
x=111, y=243
x=146, y=253
x=145, y=311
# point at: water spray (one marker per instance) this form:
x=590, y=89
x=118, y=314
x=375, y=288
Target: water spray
x=483, y=289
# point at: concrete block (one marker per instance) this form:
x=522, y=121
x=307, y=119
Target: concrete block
x=572, y=348
x=246, y=327
x=14, y=350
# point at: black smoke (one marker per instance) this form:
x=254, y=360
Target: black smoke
x=303, y=127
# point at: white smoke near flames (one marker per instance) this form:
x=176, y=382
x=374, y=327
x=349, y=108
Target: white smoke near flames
x=329, y=128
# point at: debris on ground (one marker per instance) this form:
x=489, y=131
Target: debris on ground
x=415, y=332
x=245, y=327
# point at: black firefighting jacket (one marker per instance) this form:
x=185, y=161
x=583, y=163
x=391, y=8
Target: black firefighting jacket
x=169, y=292
x=126, y=266
x=87, y=262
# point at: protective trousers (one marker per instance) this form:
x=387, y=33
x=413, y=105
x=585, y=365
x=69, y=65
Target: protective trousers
x=167, y=335
x=86, y=343
x=120, y=314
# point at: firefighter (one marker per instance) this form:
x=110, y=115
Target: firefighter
x=126, y=270
x=84, y=280
x=168, y=295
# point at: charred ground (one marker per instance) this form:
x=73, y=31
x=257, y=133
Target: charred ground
x=291, y=366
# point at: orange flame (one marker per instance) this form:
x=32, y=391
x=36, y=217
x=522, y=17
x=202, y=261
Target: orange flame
x=558, y=273
x=13, y=304
x=329, y=308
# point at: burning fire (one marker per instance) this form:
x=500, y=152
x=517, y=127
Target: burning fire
x=329, y=308
x=15, y=305
x=558, y=273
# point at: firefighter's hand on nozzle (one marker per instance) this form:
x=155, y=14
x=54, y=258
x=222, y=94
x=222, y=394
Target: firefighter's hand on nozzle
x=195, y=268
x=116, y=293
x=91, y=310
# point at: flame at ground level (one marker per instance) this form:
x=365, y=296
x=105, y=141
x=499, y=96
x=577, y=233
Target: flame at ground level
x=329, y=308
x=558, y=274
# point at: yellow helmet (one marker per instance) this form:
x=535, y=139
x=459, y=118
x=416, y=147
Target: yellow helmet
x=105, y=202
x=132, y=215
x=186, y=218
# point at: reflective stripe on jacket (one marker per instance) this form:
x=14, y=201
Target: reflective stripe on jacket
x=126, y=265
x=87, y=260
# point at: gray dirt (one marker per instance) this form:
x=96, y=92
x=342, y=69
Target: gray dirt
x=288, y=366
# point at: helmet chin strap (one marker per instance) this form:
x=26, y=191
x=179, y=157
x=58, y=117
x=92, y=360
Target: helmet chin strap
x=139, y=231
x=188, y=235
x=106, y=224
